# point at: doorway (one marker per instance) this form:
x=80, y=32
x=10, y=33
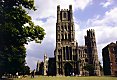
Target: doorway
x=68, y=69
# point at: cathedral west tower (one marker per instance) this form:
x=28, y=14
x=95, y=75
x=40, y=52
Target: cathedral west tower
x=65, y=42
x=69, y=57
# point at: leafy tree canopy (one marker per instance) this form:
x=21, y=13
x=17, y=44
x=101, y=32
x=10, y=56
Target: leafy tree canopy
x=16, y=29
x=90, y=68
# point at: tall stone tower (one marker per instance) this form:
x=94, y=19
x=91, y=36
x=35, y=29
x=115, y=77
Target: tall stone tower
x=92, y=54
x=65, y=50
x=70, y=58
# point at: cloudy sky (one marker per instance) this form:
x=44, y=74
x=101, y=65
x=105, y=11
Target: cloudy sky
x=100, y=15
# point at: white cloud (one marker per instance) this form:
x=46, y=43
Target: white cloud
x=82, y=4
x=32, y=61
x=111, y=16
x=109, y=19
x=105, y=28
x=47, y=8
x=48, y=44
x=107, y=3
x=77, y=4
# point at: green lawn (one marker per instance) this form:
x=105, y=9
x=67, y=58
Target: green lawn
x=67, y=78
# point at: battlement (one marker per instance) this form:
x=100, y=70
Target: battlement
x=64, y=14
x=64, y=10
x=91, y=33
x=58, y=8
x=91, y=30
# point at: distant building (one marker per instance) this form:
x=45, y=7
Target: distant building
x=38, y=65
x=40, y=68
x=45, y=64
x=51, y=67
x=109, y=54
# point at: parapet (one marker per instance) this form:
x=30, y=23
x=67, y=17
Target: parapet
x=91, y=30
x=58, y=8
x=64, y=9
x=91, y=33
x=70, y=7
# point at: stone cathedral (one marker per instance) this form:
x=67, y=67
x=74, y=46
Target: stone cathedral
x=70, y=58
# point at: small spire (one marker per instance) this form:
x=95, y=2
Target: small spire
x=70, y=7
x=45, y=55
x=58, y=8
x=38, y=61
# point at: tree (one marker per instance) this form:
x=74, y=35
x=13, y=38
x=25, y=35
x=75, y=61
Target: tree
x=90, y=68
x=16, y=29
x=25, y=71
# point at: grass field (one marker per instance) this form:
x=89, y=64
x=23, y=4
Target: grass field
x=68, y=78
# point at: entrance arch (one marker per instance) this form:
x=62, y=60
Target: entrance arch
x=68, y=69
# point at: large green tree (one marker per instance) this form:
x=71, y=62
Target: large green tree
x=16, y=30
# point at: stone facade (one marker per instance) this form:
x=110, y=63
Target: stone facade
x=40, y=68
x=51, y=67
x=38, y=65
x=109, y=54
x=45, y=64
x=70, y=57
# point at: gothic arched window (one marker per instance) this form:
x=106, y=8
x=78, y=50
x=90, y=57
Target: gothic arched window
x=62, y=28
x=64, y=15
x=67, y=53
x=62, y=36
x=65, y=27
x=58, y=28
x=65, y=36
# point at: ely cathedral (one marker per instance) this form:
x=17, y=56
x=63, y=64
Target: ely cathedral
x=69, y=57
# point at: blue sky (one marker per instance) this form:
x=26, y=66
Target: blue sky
x=100, y=15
